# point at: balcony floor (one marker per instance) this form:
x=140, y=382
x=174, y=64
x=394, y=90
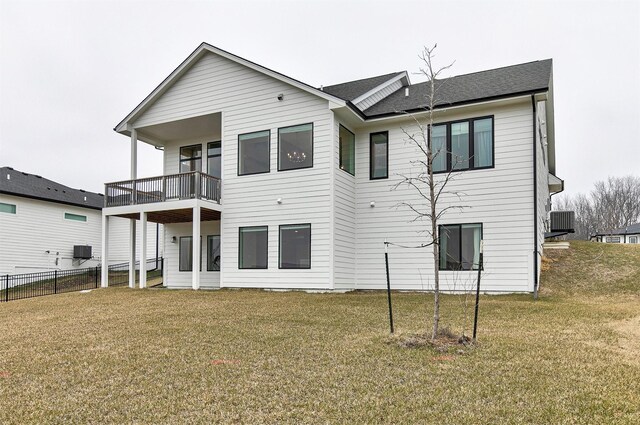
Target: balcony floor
x=175, y=216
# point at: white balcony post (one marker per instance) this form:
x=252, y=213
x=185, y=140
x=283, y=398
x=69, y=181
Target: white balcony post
x=143, y=250
x=132, y=253
x=134, y=154
x=195, y=266
x=104, y=277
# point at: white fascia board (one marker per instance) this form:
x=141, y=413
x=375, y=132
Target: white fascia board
x=380, y=87
x=193, y=58
x=162, y=206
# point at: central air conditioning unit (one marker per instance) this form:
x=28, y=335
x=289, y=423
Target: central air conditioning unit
x=563, y=221
x=82, y=252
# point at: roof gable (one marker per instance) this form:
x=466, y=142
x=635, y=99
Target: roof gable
x=192, y=59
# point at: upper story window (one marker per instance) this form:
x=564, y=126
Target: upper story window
x=214, y=159
x=75, y=217
x=379, y=155
x=460, y=246
x=295, y=147
x=347, y=151
x=463, y=145
x=254, y=150
x=190, y=158
x=7, y=208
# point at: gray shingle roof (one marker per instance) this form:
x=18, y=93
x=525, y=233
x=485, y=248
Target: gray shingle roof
x=494, y=83
x=36, y=187
x=352, y=89
x=629, y=230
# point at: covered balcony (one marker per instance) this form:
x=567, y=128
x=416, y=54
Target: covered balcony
x=190, y=185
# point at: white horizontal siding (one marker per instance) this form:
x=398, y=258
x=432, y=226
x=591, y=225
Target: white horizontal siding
x=40, y=226
x=174, y=277
x=344, y=218
x=500, y=198
x=248, y=102
x=379, y=95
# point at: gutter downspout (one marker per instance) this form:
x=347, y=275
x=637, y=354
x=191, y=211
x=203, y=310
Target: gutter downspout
x=535, y=200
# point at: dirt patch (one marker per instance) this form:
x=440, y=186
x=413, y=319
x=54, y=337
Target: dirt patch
x=446, y=342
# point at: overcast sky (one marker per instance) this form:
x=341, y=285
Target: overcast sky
x=71, y=70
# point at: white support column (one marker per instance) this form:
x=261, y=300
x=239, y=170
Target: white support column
x=134, y=154
x=195, y=267
x=143, y=250
x=104, y=272
x=132, y=253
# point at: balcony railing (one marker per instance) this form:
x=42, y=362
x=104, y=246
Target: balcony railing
x=193, y=185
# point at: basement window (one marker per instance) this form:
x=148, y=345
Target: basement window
x=75, y=217
x=253, y=247
x=460, y=246
x=7, y=208
x=295, y=246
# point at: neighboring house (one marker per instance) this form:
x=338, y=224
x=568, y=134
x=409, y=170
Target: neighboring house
x=41, y=222
x=629, y=234
x=284, y=185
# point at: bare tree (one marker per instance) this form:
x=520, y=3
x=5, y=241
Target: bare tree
x=428, y=187
x=611, y=204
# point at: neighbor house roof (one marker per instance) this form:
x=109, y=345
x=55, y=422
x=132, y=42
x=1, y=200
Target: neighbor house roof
x=628, y=230
x=18, y=183
x=526, y=78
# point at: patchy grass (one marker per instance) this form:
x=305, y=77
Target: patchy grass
x=160, y=356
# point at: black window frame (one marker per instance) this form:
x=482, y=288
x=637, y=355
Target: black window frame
x=180, y=253
x=280, y=267
x=240, y=248
x=312, y=146
x=459, y=225
x=472, y=166
x=268, y=153
x=215, y=156
x=209, y=253
x=180, y=160
x=354, y=150
x=371, y=162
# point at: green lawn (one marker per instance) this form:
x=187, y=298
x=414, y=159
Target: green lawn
x=158, y=356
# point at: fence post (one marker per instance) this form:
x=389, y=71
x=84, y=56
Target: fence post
x=6, y=291
x=96, y=276
x=55, y=282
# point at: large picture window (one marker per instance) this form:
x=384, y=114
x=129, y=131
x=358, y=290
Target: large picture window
x=463, y=145
x=347, y=151
x=253, y=252
x=213, y=253
x=190, y=158
x=214, y=159
x=295, y=246
x=254, y=153
x=379, y=155
x=460, y=246
x=295, y=147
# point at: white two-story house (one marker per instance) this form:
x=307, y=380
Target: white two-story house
x=272, y=183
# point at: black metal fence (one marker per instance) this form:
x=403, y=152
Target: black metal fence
x=29, y=285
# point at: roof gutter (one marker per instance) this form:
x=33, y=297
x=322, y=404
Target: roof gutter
x=535, y=198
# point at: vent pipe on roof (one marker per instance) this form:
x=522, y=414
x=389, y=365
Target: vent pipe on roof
x=321, y=88
x=406, y=92
x=8, y=176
